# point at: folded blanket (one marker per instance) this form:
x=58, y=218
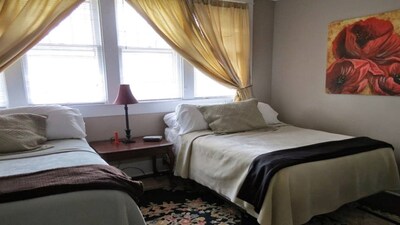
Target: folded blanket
x=265, y=166
x=64, y=180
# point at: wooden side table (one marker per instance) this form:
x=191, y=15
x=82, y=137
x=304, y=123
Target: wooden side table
x=110, y=151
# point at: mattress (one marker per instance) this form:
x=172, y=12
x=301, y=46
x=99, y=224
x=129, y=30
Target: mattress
x=296, y=193
x=80, y=207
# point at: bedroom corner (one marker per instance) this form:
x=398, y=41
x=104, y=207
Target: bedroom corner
x=299, y=72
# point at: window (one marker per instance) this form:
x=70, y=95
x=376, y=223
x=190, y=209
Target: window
x=148, y=63
x=65, y=67
x=3, y=91
x=207, y=87
x=152, y=68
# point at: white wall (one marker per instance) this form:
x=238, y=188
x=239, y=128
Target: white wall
x=299, y=65
x=103, y=128
x=263, y=25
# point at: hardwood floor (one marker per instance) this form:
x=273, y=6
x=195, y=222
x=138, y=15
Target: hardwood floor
x=156, y=182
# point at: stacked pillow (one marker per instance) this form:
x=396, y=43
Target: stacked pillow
x=27, y=128
x=268, y=113
x=188, y=118
x=233, y=117
x=21, y=132
x=62, y=122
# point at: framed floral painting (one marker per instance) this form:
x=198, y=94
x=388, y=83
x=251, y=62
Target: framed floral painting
x=364, y=55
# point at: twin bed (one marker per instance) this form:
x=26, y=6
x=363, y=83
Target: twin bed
x=28, y=201
x=215, y=146
x=221, y=162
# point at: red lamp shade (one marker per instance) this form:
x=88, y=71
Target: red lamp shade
x=125, y=96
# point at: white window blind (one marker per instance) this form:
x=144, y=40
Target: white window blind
x=66, y=66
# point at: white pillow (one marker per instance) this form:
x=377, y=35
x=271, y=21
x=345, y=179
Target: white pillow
x=270, y=115
x=62, y=122
x=190, y=118
x=170, y=120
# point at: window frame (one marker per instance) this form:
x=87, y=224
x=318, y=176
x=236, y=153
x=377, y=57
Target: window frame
x=91, y=45
x=17, y=95
x=3, y=88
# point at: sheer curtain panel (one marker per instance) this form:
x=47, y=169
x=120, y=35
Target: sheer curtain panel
x=23, y=23
x=212, y=35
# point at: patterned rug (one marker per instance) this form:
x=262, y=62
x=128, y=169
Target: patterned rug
x=181, y=207
x=164, y=207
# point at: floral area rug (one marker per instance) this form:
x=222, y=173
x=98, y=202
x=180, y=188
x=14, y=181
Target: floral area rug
x=181, y=207
x=173, y=207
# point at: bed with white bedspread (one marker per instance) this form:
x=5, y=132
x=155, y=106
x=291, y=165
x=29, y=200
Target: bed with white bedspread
x=66, y=149
x=295, y=193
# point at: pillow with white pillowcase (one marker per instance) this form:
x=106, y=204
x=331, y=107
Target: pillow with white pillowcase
x=269, y=114
x=189, y=119
x=62, y=122
x=170, y=120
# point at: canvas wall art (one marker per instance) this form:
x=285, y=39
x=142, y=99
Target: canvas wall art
x=364, y=55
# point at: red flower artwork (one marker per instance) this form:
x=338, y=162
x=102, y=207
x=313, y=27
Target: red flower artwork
x=350, y=76
x=389, y=82
x=366, y=59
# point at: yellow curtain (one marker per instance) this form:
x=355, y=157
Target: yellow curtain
x=212, y=35
x=23, y=23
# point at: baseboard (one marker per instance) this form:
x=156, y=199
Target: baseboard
x=397, y=194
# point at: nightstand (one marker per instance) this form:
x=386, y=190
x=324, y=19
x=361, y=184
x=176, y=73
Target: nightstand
x=110, y=151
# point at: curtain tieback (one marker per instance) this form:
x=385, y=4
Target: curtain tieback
x=243, y=88
x=244, y=93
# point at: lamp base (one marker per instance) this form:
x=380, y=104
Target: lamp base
x=128, y=141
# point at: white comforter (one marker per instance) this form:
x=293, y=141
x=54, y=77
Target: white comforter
x=96, y=207
x=296, y=193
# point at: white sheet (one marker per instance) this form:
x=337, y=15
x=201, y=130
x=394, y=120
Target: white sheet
x=65, y=153
x=83, y=207
x=172, y=135
x=296, y=193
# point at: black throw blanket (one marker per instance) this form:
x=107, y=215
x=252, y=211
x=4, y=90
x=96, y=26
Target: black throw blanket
x=264, y=167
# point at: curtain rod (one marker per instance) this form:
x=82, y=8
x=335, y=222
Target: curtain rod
x=250, y=2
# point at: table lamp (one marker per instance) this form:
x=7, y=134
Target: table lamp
x=125, y=97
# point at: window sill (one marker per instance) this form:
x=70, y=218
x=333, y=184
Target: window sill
x=143, y=107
